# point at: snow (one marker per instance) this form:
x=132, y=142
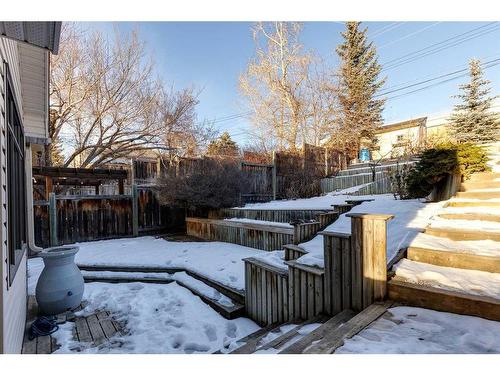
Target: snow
x=410, y=218
x=473, y=282
x=274, y=258
x=218, y=261
x=482, y=247
x=181, y=277
x=260, y=222
x=481, y=225
x=470, y=210
x=411, y=330
x=164, y=318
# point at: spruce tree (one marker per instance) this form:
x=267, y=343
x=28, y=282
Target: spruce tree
x=224, y=147
x=361, y=111
x=472, y=119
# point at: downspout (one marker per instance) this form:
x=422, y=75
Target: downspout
x=29, y=200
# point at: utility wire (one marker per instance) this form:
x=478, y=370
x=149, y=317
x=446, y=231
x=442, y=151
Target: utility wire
x=440, y=46
x=408, y=35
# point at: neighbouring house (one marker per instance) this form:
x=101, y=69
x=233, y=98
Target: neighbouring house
x=25, y=49
x=405, y=137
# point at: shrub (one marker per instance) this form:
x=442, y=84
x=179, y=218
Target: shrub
x=302, y=185
x=439, y=162
x=216, y=183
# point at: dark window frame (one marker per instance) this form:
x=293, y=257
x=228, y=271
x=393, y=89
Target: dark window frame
x=17, y=225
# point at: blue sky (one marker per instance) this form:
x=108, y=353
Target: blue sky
x=211, y=55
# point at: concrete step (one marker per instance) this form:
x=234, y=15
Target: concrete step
x=434, y=298
x=463, y=235
x=478, y=194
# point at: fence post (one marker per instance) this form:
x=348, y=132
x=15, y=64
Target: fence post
x=274, y=175
x=53, y=219
x=135, y=211
x=369, y=257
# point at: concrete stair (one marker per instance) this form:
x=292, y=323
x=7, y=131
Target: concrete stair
x=475, y=194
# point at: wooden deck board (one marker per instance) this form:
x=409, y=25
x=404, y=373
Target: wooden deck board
x=94, y=329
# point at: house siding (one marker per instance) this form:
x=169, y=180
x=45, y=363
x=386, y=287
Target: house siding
x=12, y=297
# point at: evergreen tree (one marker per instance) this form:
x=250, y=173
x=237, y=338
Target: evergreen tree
x=472, y=120
x=360, y=110
x=224, y=147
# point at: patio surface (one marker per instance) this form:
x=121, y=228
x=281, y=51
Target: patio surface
x=93, y=330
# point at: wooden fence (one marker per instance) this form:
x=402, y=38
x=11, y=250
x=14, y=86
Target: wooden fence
x=383, y=186
x=258, y=236
x=260, y=182
x=96, y=217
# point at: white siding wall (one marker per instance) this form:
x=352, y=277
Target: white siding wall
x=12, y=298
x=34, y=84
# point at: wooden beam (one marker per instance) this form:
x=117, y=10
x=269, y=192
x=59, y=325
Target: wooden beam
x=455, y=259
x=444, y=300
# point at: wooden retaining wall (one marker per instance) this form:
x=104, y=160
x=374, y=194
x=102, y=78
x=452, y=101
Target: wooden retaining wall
x=266, y=292
x=293, y=252
x=281, y=216
x=343, y=182
x=258, y=236
x=305, y=291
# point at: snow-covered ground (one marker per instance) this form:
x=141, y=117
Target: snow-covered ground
x=409, y=330
x=472, y=282
x=164, y=318
x=219, y=261
x=410, y=218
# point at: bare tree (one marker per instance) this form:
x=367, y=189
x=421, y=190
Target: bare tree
x=106, y=102
x=274, y=83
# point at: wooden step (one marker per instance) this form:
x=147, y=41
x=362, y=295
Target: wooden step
x=235, y=294
x=320, y=332
x=463, y=235
x=471, y=185
x=282, y=340
x=251, y=341
x=479, y=203
x=454, y=259
x=229, y=312
x=484, y=176
x=470, y=216
x=443, y=300
x=335, y=338
x=478, y=194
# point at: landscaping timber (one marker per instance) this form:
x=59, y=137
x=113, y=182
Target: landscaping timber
x=444, y=300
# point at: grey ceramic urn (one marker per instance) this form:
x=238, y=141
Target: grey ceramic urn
x=60, y=286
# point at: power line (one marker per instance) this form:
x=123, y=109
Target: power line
x=437, y=83
x=386, y=29
x=440, y=46
x=485, y=65
x=409, y=35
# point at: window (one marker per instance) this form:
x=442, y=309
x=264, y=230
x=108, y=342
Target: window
x=16, y=181
x=400, y=138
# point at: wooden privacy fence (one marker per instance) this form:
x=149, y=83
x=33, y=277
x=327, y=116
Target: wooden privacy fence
x=258, y=236
x=69, y=219
x=260, y=182
x=354, y=275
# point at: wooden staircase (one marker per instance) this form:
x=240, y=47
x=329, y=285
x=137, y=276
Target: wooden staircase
x=467, y=250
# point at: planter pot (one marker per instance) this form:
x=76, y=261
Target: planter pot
x=60, y=286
